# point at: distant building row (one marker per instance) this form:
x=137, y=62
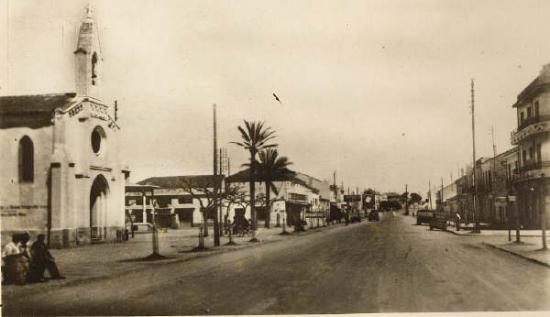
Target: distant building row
x=180, y=200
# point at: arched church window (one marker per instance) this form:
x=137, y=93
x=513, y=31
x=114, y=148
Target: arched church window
x=26, y=160
x=94, y=63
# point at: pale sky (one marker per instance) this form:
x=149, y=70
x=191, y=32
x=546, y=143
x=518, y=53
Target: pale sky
x=377, y=90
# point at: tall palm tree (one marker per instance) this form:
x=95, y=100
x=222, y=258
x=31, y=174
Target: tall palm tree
x=255, y=138
x=271, y=167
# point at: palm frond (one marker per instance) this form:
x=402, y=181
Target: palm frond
x=244, y=134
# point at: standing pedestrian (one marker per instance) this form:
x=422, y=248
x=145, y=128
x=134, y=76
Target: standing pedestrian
x=457, y=221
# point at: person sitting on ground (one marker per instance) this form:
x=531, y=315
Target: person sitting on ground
x=42, y=260
x=16, y=260
x=9, y=253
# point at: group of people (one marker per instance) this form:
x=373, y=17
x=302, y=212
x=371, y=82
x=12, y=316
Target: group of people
x=21, y=264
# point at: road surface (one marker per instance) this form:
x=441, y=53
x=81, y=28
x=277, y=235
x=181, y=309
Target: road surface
x=390, y=266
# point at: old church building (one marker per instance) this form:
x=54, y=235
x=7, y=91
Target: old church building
x=61, y=171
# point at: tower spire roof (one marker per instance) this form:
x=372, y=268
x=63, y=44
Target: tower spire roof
x=89, y=11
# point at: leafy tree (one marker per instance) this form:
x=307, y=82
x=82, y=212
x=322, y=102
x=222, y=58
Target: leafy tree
x=207, y=195
x=415, y=198
x=369, y=191
x=255, y=138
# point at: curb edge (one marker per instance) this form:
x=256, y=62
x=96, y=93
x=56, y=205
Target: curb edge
x=517, y=254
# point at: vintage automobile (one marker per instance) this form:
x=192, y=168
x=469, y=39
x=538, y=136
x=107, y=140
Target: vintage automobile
x=424, y=216
x=439, y=221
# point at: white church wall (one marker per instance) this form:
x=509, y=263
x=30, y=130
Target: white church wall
x=24, y=205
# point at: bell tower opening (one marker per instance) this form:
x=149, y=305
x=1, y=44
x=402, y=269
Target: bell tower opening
x=94, y=69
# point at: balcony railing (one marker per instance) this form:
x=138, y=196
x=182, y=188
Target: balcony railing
x=535, y=119
x=530, y=127
x=530, y=166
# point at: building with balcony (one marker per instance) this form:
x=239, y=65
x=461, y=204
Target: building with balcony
x=495, y=193
x=533, y=143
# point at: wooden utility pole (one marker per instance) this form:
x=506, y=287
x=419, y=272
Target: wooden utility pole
x=543, y=210
x=474, y=196
x=216, y=185
x=220, y=163
x=430, y=193
x=494, y=173
x=441, y=195
x=219, y=209
x=406, y=200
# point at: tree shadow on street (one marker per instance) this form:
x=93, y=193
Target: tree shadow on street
x=149, y=258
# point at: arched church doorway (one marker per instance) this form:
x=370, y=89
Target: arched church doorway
x=99, y=195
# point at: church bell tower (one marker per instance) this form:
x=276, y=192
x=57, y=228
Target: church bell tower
x=88, y=58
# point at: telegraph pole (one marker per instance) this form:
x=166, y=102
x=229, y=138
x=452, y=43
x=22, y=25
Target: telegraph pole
x=543, y=210
x=216, y=185
x=430, y=193
x=474, y=196
x=441, y=196
x=406, y=200
x=493, y=182
x=219, y=210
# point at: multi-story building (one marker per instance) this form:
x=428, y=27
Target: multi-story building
x=448, y=200
x=533, y=142
x=495, y=196
x=464, y=197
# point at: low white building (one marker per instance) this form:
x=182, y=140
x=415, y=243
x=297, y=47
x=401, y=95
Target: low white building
x=296, y=200
x=179, y=199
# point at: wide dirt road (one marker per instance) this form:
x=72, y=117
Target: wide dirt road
x=389, y=266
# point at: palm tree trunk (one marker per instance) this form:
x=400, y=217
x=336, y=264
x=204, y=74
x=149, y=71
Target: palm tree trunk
x=267, y=205
x=253, y=189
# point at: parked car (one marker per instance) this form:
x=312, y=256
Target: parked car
x=439, y=221
x=373, y=216
x=355, y=218
x=140, y=227
x=424, y=216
